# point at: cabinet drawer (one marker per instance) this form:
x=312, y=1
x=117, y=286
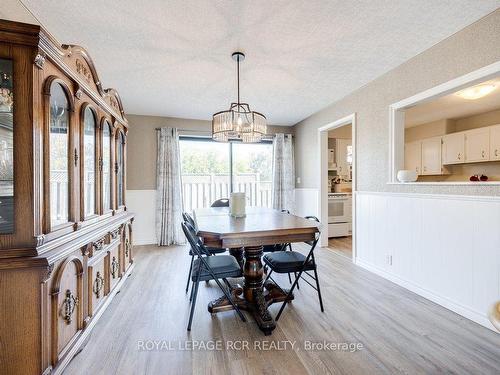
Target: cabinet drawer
x=96, y=284
x=338, y=230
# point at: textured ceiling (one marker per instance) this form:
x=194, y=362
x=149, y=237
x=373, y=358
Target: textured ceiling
x=172, y=58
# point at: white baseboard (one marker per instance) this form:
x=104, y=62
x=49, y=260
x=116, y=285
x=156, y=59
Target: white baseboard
x=450, y=305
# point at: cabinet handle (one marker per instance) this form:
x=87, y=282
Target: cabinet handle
x=76, y=157
x=98, y=284
x=496, y=152
x=482, y=154
x=114, y=267
x=69, y=303
x=425, y=169
x=127, y=247
x=459, y=156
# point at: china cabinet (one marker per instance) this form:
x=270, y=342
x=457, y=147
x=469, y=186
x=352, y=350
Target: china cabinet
x=65, y=231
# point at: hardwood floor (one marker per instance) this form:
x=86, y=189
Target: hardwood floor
x=341, y=245
x=399, y=331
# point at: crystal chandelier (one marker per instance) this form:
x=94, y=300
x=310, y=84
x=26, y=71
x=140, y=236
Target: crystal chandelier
x=239, y=122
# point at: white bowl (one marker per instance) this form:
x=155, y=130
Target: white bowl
x=407, y=175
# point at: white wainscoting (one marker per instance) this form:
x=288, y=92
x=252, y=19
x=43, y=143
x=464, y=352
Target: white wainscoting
x=142, y=203
x=306, y=202
x=445, y=248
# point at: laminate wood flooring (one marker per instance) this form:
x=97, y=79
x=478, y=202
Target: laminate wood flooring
x=400, y=332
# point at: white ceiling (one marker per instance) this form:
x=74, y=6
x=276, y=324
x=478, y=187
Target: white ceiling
x=453, y=106
x=172, y=58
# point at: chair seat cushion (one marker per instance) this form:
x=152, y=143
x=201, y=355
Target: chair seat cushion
x=222, y=266
x=211, y=250
x=287, y=261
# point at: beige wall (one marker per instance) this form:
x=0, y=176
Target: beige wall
x=343, y=132
x=470, y=49
x=431, y=129
x=141, y=145
x=478, y=121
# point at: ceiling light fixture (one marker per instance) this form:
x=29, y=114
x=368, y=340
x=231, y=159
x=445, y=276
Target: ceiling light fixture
x=476, y=92
x=239, y=122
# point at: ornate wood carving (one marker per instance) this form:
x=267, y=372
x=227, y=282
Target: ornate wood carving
x=39, y=60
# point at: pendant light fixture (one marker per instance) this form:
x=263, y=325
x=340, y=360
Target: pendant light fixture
x=239, y=122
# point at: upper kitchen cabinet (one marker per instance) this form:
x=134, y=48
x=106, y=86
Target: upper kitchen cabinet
x=495, y=142
x=413, y=156
x=431, y=156
x=477, y=145
x=344, y=156
x=454, y=148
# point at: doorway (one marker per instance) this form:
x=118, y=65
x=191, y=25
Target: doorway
x=337, y=171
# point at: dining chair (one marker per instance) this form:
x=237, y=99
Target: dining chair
x=278, y=247
x=210, y=250
x=207, y=267
x=223, y=202
x=297, y=263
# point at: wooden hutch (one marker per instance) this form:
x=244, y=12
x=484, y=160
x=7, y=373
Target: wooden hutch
x=65, y=232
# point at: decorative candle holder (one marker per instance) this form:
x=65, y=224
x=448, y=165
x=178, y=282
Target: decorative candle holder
x=237, y=204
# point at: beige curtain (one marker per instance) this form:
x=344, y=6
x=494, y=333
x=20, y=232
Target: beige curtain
x=283, y=173
x=168, y=189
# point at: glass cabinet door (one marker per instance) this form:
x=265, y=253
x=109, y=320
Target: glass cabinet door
x=59, y=155
x=6, y=148
x=120, y=168
x=89, y=126
x=106, y=166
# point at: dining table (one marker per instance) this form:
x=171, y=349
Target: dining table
x=245, y=237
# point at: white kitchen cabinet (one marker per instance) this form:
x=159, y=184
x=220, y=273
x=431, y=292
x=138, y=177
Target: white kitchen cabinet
x=454, y=148
x=431, y=156
x=477, y=145
x=343, y=166
x=413, y=156
x=495, y=142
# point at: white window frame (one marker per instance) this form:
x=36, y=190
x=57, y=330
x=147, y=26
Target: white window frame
x=397, y=118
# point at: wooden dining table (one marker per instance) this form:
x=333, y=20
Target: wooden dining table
x=245, y=238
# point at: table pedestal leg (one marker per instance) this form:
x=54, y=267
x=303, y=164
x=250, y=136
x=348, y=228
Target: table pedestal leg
x=253, y=297
x=238, y=254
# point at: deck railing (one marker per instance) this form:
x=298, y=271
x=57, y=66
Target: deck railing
x=201, y=190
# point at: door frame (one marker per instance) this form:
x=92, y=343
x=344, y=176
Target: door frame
x=323, y=180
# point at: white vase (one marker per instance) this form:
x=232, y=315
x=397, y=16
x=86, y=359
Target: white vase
x=407, y=175
x=237, y=203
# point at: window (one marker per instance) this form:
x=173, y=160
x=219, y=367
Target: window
x=59, y=153
x=89, y=124
x=106, y=167
x=211, y=170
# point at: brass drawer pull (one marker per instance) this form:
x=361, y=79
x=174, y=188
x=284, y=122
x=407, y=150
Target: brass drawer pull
x=98, y=284
x=114, y=267
x=69, y=303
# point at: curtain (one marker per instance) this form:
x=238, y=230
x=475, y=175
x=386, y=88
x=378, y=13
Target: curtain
x=168, y=189
x=283, y=173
